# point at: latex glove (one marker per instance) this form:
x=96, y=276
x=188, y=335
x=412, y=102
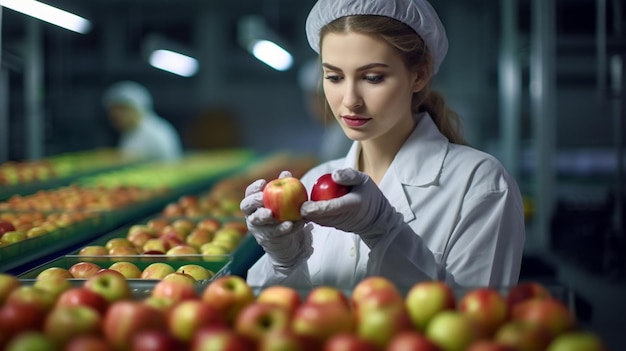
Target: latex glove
x=364, y=210
x=286, y=243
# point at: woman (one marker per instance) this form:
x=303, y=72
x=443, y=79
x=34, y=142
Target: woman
x=144, y=135
x=423, y=205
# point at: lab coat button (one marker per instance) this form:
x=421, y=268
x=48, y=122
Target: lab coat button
x=352, y=252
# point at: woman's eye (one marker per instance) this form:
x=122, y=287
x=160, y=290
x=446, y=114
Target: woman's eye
x=333, y=78
x=374, y=79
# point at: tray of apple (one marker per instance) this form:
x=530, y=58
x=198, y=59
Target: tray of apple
x=147, y=270
x=229, y=314
x=169, y=237
x=29, y=235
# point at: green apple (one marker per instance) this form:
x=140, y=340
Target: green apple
x=66, y=322
x=197, y=271
x=579, y=340
x=452, y=330
x=30, y=341
x=112, y=285
x=426, y=299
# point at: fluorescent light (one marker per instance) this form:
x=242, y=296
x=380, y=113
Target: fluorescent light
x=272, y=55
x=49, y=14
x=174, y=62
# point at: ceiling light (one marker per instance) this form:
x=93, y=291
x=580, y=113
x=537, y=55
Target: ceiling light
x=263, y=44
x=174, y=62
x=49, y=14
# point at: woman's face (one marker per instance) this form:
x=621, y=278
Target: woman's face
x=368, y=86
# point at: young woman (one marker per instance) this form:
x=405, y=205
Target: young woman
x=423, y=206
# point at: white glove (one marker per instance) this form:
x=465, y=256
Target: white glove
x=364, y=210
x=286, y=243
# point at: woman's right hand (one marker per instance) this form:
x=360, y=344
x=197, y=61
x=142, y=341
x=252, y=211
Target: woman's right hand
x=286, y=243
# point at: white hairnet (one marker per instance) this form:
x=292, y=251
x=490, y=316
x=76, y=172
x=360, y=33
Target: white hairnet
x=417, y=14
x=129, y=93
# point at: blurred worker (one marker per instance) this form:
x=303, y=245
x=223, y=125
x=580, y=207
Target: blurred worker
x=144, y=135
x=334, y=144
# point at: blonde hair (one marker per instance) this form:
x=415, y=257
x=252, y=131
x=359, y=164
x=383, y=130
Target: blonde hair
x=416, y=57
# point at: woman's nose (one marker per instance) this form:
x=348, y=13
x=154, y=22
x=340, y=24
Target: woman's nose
x=352, y=98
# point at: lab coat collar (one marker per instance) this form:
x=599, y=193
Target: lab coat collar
x=420, y=160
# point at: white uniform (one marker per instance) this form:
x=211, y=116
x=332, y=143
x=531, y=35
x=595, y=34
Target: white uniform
x=464, y=209
x=153, y=139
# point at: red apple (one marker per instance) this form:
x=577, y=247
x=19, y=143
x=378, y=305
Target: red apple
x=328, y=294
x=325, y=188
x=578, y=340
x=287, y=340
x=525, y=291
x=112, y=285
x=282, y=295
x=425, y=299
x=175, y=290
x=30, y=295
x=138, y=238
x=321, y=321
x=229, y=294
x=16, y=318
x=487, y=307
x=126, y=318
x=184, y=225
x=257, y=319
x=284, y=197
x=411, y=341
x=155, y=340
x=158, y=223
x=550, y=313
x=373, y=285
x=8, y=283
x=199, y=237
x=187, y=317
x=84, y=270
x=6, y=226
x=452, y=330
x=209, y=224
x=66, y=322
x=88, y=343
x=490, y=345
x=349, y=342
x=524, y=336
x=81, y=296
x=220, y=339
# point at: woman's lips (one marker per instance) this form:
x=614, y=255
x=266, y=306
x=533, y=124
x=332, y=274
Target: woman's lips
x=355, y=121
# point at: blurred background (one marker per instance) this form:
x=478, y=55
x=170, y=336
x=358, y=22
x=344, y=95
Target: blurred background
x=538, y=83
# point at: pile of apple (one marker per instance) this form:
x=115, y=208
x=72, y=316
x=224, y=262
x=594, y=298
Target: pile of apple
x=192, y=168
x=60, y=166
x=19, y=226
x=78, y=197
x=228, y=314
x=195, y=273
x=174, y=237
x=13, y=173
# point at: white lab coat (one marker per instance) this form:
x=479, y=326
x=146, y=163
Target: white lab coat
x=464, y=209
x=153, y=139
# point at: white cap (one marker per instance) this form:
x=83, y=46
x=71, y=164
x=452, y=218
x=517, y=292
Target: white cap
x=417, y=14
x=129, y=93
